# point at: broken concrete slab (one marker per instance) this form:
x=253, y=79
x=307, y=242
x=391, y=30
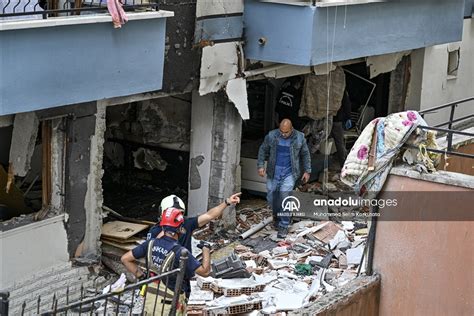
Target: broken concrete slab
x=384, y=63
x=354, y=255
x=312, y=230
x=344, y=245
x=276, y=264
x=338, y=238
x=347, y=225
x=278, y=251
x=301, y=225
x=346, y=276
x=343, y=262
x=218, y=65
x=236, y=90
x=325, y=262
x=25, y=131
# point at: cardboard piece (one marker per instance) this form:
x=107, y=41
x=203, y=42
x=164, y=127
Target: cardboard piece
x=121, y=230
x=327, y=233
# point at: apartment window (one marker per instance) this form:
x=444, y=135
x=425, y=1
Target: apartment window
x=453, y=62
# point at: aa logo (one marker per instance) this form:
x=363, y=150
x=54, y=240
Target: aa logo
x=290, y=204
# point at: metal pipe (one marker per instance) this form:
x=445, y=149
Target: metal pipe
x=445, y=105
x=438, y=151
x=256, y=228
x=371, y=243
x=445, y=130
x=456, y=120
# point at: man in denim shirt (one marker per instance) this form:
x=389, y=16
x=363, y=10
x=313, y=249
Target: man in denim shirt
x=285, y=151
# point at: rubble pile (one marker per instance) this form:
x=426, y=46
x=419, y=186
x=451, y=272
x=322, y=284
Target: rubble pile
x=314, y=259
x=259, y=271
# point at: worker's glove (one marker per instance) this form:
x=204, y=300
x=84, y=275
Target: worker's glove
x=141, y=278
x=203, y=244
x=348, y=125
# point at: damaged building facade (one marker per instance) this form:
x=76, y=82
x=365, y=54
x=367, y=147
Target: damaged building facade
x=178, y=100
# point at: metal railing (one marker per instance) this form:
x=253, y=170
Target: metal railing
x=44, y=8
x=450, y=124
x=114, y=303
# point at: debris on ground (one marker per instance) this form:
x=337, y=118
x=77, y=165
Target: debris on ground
x=286, y=274
x=261, y=272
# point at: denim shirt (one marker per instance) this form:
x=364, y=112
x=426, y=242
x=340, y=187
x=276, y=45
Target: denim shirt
x=298, y=149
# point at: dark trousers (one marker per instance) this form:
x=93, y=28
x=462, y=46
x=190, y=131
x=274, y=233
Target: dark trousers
x=337, y=133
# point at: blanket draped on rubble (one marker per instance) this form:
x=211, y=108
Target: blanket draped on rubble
x=392, y=132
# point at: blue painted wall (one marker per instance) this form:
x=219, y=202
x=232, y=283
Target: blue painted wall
x=54, y=66
x=303, y=35
x=468, y=8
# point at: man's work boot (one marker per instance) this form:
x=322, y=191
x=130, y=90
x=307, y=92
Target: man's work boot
x=275, y=222
x=282, y=232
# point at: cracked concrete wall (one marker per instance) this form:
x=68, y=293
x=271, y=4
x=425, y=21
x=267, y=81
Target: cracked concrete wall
x=80, y=131
x=58, y=141
x=164, y=122
x=94, y=198
x=225, y=164
x=25, y=130
x=200, y=153
x=399, y=81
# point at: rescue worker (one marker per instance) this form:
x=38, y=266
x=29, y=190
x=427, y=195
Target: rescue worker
x=171, y=223
x=289, y=100
x=191, y=223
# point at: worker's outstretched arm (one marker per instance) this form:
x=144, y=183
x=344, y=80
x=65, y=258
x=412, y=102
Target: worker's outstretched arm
x=128, y=261
x=217, y=211
x=205, y=269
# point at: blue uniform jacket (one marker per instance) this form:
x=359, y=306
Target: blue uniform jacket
x=300, y=157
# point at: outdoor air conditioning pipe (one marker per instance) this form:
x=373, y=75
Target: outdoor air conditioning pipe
x=256, y=228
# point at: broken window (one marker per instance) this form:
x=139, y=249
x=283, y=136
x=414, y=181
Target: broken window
x=454, y=55
x=26, y=168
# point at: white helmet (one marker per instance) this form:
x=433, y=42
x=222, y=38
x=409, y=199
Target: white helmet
x=172, y=201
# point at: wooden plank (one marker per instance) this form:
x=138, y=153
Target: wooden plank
x=126, y=247
x=131, y=240
x=121, y=230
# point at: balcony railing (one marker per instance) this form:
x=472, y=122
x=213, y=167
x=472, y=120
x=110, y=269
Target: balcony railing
x=114, y=302
x=42, y=9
